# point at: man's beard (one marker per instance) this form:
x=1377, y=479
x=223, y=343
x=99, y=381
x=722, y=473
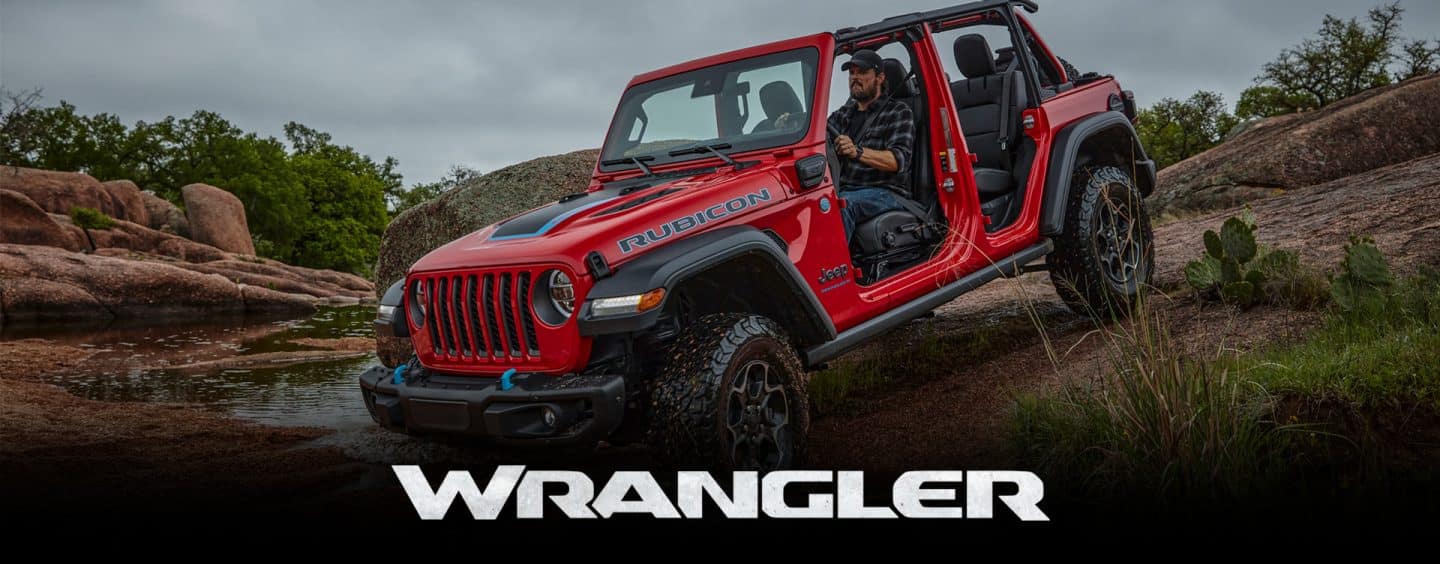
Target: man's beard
x=862, y=95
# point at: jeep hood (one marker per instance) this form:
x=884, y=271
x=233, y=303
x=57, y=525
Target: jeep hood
x=604, y=218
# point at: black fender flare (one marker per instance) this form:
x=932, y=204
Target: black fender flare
x=671, y=265
x=395, y=325
x=1065, y=156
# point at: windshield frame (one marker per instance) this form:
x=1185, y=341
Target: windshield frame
x=808, y=55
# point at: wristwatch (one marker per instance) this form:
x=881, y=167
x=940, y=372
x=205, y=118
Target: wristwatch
x=859, y=151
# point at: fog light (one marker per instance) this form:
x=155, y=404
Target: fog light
x=549, y=417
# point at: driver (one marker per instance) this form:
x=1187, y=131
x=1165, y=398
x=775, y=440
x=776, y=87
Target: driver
x=876, y=134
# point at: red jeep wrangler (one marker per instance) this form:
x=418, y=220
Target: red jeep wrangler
x=681, y=299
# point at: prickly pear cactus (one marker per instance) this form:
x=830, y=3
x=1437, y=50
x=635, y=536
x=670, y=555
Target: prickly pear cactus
x=1228, y=270
x=1213, y=248
x=1203, y=274
x=1365, y=279
x=1240, y=293
x=1238, y=239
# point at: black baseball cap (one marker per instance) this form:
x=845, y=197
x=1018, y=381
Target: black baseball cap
x=864, y=59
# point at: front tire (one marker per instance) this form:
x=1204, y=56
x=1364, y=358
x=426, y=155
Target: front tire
x=732, y=396
x=1103, y=261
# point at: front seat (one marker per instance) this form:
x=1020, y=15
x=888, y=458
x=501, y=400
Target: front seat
x=903, y=228
x=778, y=98
x=989, y=115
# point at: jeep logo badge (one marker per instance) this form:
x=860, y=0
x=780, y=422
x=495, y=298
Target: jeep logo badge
x=829, y=274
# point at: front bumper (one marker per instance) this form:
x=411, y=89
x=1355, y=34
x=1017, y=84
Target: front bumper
x=586, y=408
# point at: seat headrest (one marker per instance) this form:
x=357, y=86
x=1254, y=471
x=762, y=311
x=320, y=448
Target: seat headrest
x=778, y=98
x=895, y=79
x=973, y=56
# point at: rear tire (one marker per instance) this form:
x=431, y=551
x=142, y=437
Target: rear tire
x=1103, y=261
x=732, y=396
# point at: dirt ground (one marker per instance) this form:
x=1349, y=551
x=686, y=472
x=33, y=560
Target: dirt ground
x=956, y=419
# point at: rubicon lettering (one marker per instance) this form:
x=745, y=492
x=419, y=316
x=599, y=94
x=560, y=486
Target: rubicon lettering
x=685, y=223
x=951, y=494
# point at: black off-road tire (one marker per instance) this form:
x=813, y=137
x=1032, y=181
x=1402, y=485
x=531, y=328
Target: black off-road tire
x=1083, y=266
x=695, y=409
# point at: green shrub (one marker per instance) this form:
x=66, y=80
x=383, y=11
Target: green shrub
x=1156, y=421
x=1292, y=416
x=90, y=218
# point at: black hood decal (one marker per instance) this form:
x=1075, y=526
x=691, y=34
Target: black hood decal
x=541, y=221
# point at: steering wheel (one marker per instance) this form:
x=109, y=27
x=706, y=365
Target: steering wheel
x=834, y=134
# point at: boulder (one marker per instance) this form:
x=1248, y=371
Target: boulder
x=127, y=201
x=480, y=202
x=26, y=224
x=164, y=216
x=265, y=301
x=1373, y=129
x=40, y=283
x=217, y=218
x=134, y=237
x=59, y=192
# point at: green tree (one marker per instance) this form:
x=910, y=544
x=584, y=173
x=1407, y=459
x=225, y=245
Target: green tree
x=1345, y=58
x=347, y=199
x=317, y=204
x=1174, y=130
x=401, y=200
x=19, y=126
x=1419, y=59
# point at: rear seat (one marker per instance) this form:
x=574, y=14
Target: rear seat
x=980, y=104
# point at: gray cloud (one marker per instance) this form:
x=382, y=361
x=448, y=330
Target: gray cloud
x=492, y=83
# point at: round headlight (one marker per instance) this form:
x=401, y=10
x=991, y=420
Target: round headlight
x=562, y=293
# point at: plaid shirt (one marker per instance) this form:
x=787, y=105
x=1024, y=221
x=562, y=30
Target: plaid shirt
x=892, y=129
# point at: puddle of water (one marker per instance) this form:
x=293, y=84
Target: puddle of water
x=130, y=364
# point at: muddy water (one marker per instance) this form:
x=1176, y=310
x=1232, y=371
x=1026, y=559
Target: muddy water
x=143, y=363
x=138, y=363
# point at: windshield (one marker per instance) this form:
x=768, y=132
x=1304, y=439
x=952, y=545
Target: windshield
x=750, y=104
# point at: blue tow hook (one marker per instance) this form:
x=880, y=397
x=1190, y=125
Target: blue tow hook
x=399, y=376
x=505, y=383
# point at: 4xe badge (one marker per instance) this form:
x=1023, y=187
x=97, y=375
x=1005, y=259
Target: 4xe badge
x=831, y=274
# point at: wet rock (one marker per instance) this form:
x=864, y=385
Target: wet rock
x=59, y=192
x=485, y=200
x=266, y=301
x=135, y=237
x=217, y=218
x=26, y=224
x=40, y=283
x=276, y=276
x=1376, y=128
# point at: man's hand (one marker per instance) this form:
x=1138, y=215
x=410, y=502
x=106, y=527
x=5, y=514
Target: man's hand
x=783, y=121
x=846, y=147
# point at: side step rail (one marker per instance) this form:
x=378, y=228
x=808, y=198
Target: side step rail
x=854, y=336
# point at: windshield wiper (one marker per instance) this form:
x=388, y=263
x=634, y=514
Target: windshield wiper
x=638, y=161
x=707, y=149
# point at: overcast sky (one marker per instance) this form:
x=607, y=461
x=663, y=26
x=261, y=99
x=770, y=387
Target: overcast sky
x=487, y=84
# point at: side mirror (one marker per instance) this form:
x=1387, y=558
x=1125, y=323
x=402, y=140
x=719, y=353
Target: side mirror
x=810, y=170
